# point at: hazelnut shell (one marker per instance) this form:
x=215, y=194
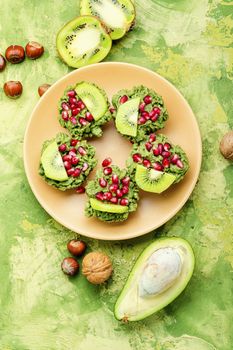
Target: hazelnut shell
x=96, y=267
x=226, y=145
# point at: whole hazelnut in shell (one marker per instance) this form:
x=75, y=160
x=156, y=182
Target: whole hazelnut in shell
x=226, y=145
x=96, y=267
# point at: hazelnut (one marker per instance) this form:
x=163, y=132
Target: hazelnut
x=15, y=54
x=76, y=247
x=97, y=267
x=34, y=50
x=13, y=89
x=226, y=145
x=70, y=266
x=2, y=63
x=43, y=88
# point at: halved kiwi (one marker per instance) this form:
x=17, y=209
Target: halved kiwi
x=151, y=180
x=108, y=208
x=83, y=41
x=127, y=117
x=118, y=15
x=52, y=163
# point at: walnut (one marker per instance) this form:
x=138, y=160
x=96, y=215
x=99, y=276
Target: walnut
x=97, y=267
x=226, y=145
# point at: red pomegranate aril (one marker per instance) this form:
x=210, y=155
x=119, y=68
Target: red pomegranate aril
x=158, y=166
x=82, y=151
x=73, y=106
x=62, y=148
x=73, y=101
x=85, y=166
x=82, y=106
x=152, y=137
x=125, y=189
x=154, y=118
x=167, y=146
x=102, y=182
x=156, y=152
x=77, y=172
x=74, y=161
x=73, y=150
x=99, y=196
x=125, y=181
x=65, y=115
x=70, y=172
x=75, y=111
x=166, y=154
x=89, y=117
x=73, y=142
x=66, y=158
x=160, y=148
x=83, y=121
x=141, y=120
x=114, y=200
x=174, y=158
x=146, y=163
x=108, y=196
x=142, y=107
x=80, y=190
x=180, y=164
x=147, y=99
x=123, y=99
x=72, y=154
x=137, y=158
x=113, y=188
x=157, y=110
x=115, y=179
x=112, y=110
x=73, y=120
x=65, y=106
x=107, y=170
x=67, y=165
x=145, y=115
x=119, y=193
x=148, y=146
x=106, y=162
x=152, y=113
x=124, y=201
x=71, y=93
x=166, y=162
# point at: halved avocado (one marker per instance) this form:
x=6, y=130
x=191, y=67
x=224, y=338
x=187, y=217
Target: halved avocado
x=109, y=208
x=130, y=305
x=83, y=41
x=118, y=15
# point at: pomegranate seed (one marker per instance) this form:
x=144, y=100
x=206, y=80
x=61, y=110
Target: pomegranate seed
x=115, y=179
x=152, y=137
x=147, y=99
x=166, y=154
x=73, y=150
x=85, y=166
x=89, y=117
x=174, y=158
x=141, y=120
x=79, y=103
x=73, y=101
x=158, y=166
x=82, y=106
x=113, y=187
x=67, y=165
x=82, y=151
x=180, y=164
x=157, y=110
x=112, y=110
x=167, y=146
x=62, y=148
x=124, y=201
x=66, y=158
x=72, y=154
x=156, y=152
x=65, y=106
x=145, y=115
x=154, y=118
x=73, y=120
x=108, y=196
x=99, y=196
x=152, y=113
x=75, y=111
x=71, y=93
x=106, y=162
x=70, y=172
x=148, y=146
x=137, y=158
x=107, y=170
x=125, y=189
x=142, y=107
x=125, y=181
x=77, y=172
x=80, y=190
x=65, y=115
x=166, y=163
x=83, y=121
x=114, y=200
x=119, y=193
x=74, y=161
x=123, y=99
x=73, y=106
x=73, y=142
x=146, y=163
x=102, y=182
x=160, y=148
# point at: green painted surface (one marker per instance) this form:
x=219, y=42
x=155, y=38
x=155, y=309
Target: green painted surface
x=190, y=43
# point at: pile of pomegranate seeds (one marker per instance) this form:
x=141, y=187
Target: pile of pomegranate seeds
x=161, y=150
x=71, y=156
x=72, y=108
x=114, y=189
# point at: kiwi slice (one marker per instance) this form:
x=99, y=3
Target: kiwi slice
x=93, y=98
x=52, y=163
x=151, y=180
x=118, y=15
x=83, y=41
x=127, y=117
x=109, y=208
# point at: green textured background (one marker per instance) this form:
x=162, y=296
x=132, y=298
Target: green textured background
x=189, y=42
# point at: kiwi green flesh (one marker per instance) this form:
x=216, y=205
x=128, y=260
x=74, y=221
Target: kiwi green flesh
x=52, y=163
x=127, y=117
x=109, y=208
x=118, y=15
x=93, y=98
x=83, y=41
x=151, y=180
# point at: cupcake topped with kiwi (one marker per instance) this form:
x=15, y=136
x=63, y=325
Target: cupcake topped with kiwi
x=83, y=110
x=113, y=194
x=66, y=162
x=138, y=112
x=157, y=163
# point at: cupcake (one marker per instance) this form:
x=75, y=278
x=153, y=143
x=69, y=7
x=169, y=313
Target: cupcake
x=138, y=112
x=83, y=110
x=66, y=162
x=157, y=163
x=113, y=194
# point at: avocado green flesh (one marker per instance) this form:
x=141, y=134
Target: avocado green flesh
x=52, y=163
x=130, y=306
x=151, y=180
x=127, y=117
x=109, y=208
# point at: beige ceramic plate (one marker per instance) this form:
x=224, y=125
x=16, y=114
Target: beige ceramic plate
x=154, y=210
